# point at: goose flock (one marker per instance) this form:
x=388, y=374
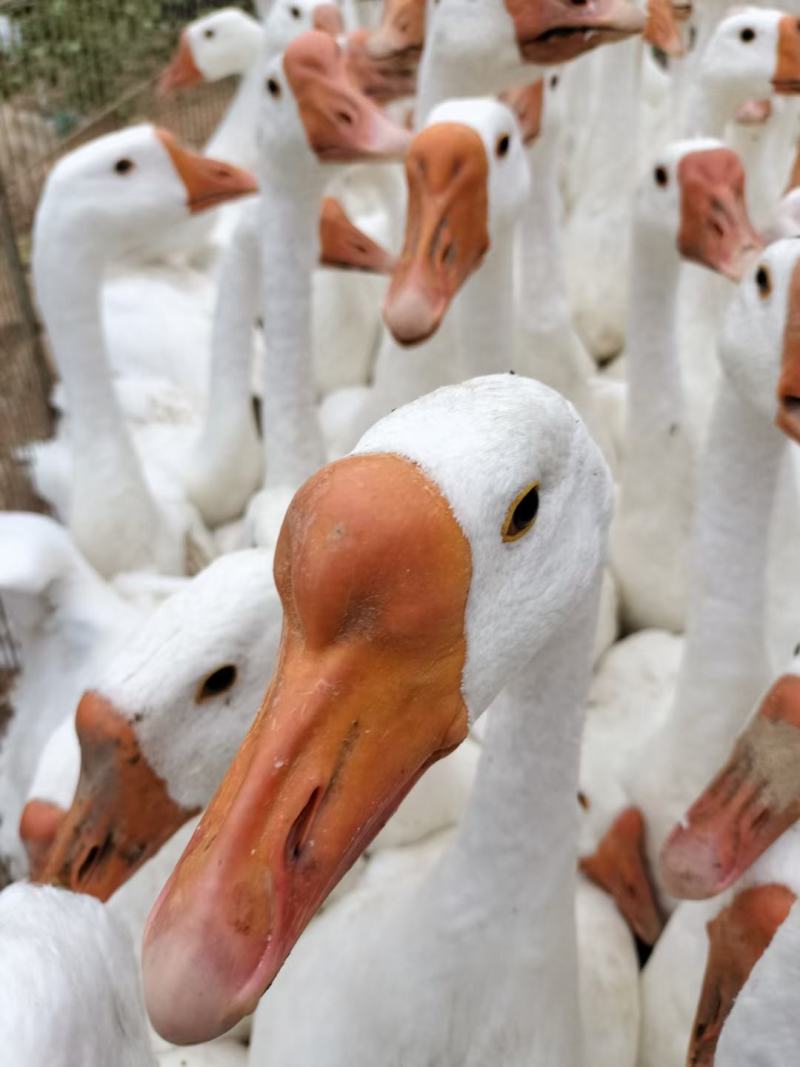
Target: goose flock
x=409, y=669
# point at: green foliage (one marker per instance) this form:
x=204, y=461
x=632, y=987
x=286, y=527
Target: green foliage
x=71, y=57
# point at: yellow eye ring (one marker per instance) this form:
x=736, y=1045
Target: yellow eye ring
x=522, y=512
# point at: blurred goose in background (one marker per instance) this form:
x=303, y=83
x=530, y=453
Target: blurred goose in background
x=126, y=510
x=689, y=206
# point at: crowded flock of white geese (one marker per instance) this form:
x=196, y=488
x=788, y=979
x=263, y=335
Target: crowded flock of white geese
x=459, y=374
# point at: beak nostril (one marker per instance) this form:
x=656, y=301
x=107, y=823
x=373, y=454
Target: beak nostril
x=345, y=117
x=791, y=405
x=296, y=838
x=93, y=858
x=717, y=228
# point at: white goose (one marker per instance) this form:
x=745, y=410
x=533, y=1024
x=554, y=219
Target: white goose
x=65, y=619
x=312, y=116
x=741, y=835
x=96, y=203
x=178, y=696
x=72, y=993
x=690, y=204
x=526, y=484
x=480, y=48
x=726, y=664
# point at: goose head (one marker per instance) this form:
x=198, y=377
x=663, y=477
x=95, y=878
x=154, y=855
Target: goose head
x=748, y=805
x=216, y=46
x=467, y=179
x=753, y=53
x=738, y=936
x=693, y=198
x=510, y=35
x=417, y=575
x=312, y=112
x=163, y=722
x=110, y=192
x=759, y=345
x=287, y=19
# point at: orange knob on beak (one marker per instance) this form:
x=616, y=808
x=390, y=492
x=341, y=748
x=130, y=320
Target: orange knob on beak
x=747, y=806
x=182, y=71
x=208, y=182
x=342, y=124
x=447, y=228
x=715, y=228
x=122, y=812
x=738, y=938
x=373, y=572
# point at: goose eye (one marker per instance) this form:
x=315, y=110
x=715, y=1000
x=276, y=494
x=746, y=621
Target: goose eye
x=661, y=177
x=209, y=33
x=521, y=514
x=764, y=282
x=502, y=146
x=294, y=12
x=124, y=166
x=797, y=649
x=554, y=81
x=218, y=682
x=583, y=800
x=273, y=88
x=747, y=35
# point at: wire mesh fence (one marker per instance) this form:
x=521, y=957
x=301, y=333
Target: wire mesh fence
x=70, y=70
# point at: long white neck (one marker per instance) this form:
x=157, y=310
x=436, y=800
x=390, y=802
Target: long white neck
x=289, y=253
x=725, y=664
x=504, y=891
x=653, y=372
x=543, y=301
x=485, y=310
x=708, y=112
x=457, y=60
x=114, y=519
x=234, y=139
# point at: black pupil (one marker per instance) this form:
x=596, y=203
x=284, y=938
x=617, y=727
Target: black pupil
x=524, y=512
x=661, y=176
x=122, y=166
x=503, y=145
x=295, y=12
x=209, y=33
x=554, y=81
x=762, y=279
x=748, y=34
x=273, y=87
x=218, y=682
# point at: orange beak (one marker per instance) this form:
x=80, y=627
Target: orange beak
x=208, y=182
x=620, y=867
x=715, y=228
x=182, y=71
x=344, y=246
x=738, y=937
x=750, y=803
x=342, y=124
x=447, y=229
x=401, y=34
x=122, y=813
x=788, y=417
x=38, y=828
x=527, y=103
x=555, y=31
x=383, y=80
x=366, y=695
x=662, y=29
x=327, y=18
x=787, y=69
